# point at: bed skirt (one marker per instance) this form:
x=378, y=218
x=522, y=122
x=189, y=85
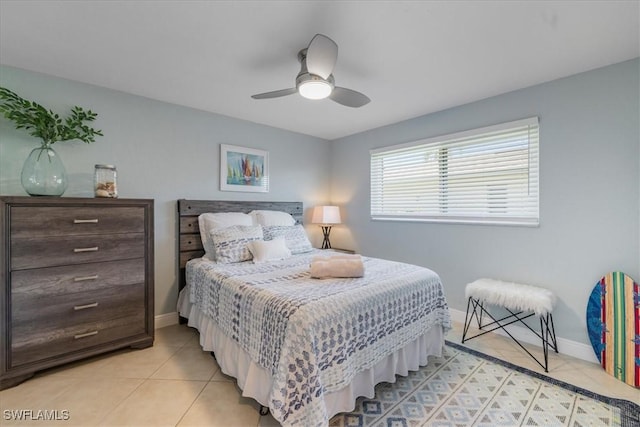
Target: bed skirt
x=255, y=381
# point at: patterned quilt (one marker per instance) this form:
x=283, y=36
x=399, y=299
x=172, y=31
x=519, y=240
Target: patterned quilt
x=312, y=335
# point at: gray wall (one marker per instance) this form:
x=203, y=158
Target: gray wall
x=590, y=184
x=164, y=152
x=589, y=194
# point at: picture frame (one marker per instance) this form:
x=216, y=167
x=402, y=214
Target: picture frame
x=244, y=169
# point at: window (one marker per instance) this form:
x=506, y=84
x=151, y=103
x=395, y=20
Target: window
x=487, y=175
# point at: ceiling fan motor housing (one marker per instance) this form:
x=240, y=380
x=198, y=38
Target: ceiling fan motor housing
x=309, y=85
x=308, y=77
x=305, y=76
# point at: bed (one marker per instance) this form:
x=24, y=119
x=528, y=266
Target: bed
x=306, y=348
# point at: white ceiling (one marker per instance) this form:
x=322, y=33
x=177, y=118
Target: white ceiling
x=410, y=57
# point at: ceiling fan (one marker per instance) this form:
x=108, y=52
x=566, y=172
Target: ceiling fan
x=315, y=81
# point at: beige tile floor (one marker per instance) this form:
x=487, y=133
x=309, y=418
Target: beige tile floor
x=175, y=383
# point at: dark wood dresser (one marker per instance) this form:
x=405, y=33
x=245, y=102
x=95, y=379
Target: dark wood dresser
x=77, y=280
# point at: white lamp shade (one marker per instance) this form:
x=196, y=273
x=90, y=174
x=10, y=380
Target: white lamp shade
x=326, y=215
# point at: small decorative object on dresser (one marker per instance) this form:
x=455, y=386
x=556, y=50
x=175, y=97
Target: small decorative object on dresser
x=77, y=280
x=104, y=181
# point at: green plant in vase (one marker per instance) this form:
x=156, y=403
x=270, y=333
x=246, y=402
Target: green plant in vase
x=43, y=173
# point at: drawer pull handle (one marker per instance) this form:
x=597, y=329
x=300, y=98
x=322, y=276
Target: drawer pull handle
x=83, y=278
x=88, y=334
x=93, y=249
x=85, y=221
x=83, y=307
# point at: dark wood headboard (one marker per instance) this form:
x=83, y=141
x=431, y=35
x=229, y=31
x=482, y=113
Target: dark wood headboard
x=189, y=243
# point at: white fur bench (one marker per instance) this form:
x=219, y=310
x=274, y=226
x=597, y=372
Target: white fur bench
x=517, y=299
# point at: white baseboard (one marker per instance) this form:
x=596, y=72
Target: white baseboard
x=565, y=346
x=166, y=319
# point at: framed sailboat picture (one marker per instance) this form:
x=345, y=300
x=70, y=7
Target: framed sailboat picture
x=243, y=169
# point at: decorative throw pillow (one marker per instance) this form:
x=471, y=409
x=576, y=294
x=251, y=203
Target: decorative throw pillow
x=269, y=218
x=208, y=222
x=295, y=236
x=269, y=250
x=231, y=244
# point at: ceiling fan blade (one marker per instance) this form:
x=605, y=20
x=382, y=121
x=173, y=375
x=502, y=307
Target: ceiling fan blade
x=275, y=93
x=348, y=97
x=322, y=55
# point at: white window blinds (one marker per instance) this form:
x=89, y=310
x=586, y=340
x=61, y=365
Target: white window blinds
x=487, y=175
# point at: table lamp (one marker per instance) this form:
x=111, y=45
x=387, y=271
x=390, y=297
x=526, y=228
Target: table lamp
x=326, y=216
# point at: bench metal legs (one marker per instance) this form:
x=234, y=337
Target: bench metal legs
x=547, y=334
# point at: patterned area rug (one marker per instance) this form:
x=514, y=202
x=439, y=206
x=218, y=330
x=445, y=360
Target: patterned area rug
x=468, y=388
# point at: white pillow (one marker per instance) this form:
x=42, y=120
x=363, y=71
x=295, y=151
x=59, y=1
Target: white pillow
x=208, y=222
x=231, y=244
x=268, y=218
x=295, y=236
x=269, y=250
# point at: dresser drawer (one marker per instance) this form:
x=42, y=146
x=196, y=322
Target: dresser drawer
x=42, y=283
x=64, y=311
x=70, y=220
x=48, y=343
x=62, y=250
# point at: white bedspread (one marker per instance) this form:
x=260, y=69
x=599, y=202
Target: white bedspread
x=314, y=336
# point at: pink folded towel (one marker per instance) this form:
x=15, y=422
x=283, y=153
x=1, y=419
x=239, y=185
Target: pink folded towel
x=337, y=266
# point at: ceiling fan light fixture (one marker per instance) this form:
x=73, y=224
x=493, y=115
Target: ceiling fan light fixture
x=315, y=89
x=315, y=79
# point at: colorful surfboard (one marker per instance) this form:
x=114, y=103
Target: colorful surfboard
x=613, y=323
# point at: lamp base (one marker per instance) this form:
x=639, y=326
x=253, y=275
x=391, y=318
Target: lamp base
x=326, y=229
